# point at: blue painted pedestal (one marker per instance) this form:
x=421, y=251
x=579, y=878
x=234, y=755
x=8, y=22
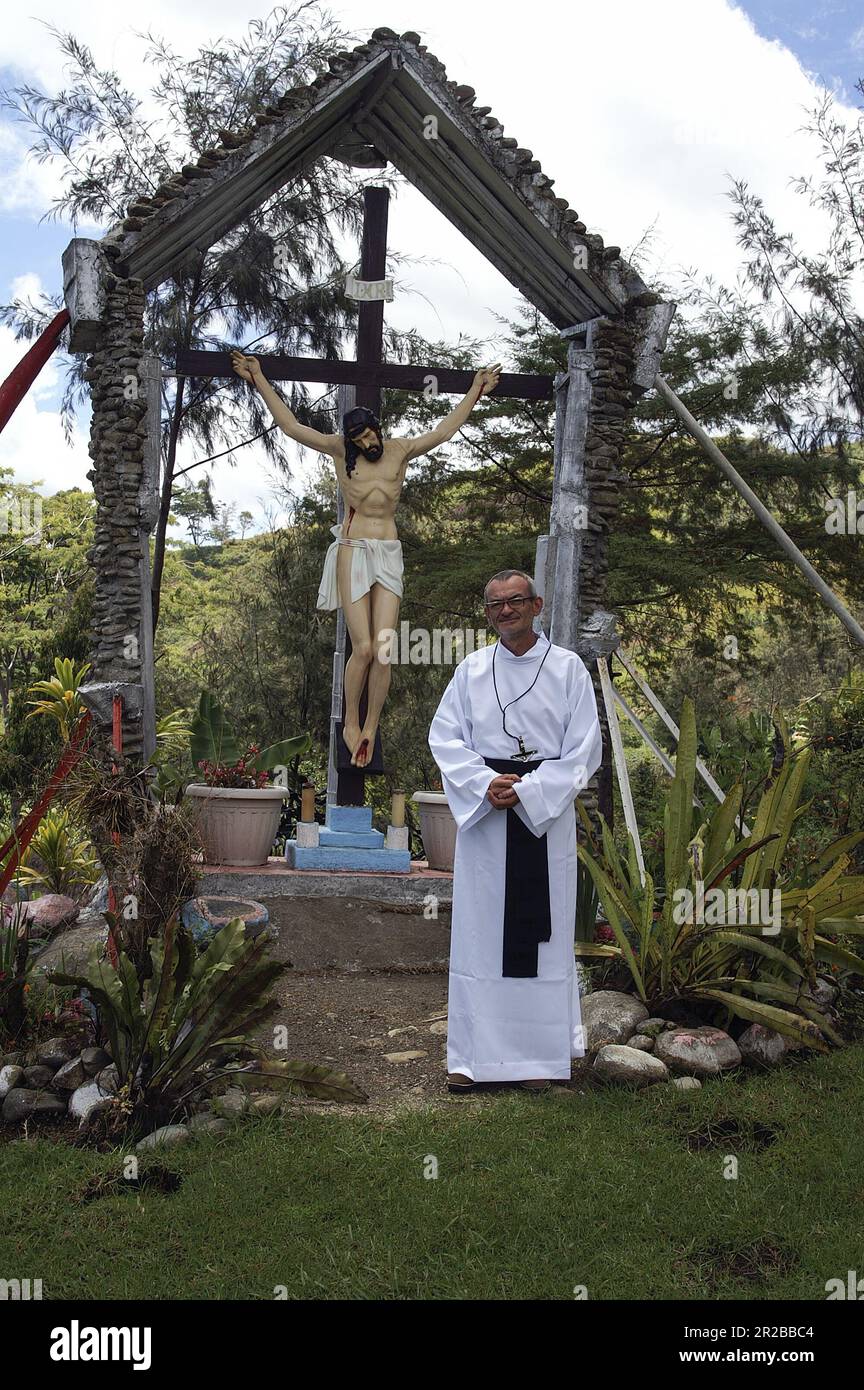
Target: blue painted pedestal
x=347, y=841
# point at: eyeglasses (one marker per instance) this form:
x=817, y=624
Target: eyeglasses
x=517, y=603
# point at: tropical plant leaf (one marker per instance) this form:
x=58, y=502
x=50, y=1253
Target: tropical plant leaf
x=210, y=739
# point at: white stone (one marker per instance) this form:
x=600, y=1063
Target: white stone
x=609, y=1016
x=616, y=1062
x=86, y=1098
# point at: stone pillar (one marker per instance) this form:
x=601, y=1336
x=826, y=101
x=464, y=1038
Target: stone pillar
x=592, y=401
x=117, y=447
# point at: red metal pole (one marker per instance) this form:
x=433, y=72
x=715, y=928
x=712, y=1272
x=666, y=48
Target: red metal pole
x=23, y=833
x=21, y=378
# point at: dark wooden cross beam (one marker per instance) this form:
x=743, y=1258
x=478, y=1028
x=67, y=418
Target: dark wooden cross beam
x=364, y=375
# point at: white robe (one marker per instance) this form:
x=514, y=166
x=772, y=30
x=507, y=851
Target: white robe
x=502, y=1028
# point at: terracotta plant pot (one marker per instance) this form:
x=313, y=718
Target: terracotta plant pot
x=237, y=825
x=437, y=828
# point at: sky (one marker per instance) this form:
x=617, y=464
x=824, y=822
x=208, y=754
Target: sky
x=642, y=113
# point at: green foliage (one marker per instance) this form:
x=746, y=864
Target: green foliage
x=673, y=956
x=14, y=970
x=168, y=1032
x=61, y=701
x=59, y=858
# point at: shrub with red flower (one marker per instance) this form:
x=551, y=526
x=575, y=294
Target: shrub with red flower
x=603, y=932
x=237, y=774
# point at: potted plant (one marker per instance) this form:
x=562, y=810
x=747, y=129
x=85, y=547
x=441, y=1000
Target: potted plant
x=437, y=829
x=238, y=811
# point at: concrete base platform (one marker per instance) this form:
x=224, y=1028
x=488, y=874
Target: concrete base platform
x=276, y=880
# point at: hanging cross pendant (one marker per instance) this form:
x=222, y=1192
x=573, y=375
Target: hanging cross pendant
x=524, y=753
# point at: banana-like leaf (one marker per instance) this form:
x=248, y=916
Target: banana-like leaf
x=842, y=926
x=587, y=949
x=280, y=754
x=210, y=738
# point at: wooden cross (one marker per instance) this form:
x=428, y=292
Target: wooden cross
x=368, y=375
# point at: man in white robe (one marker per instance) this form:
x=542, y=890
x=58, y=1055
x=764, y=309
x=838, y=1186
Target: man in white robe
x=513, y=1011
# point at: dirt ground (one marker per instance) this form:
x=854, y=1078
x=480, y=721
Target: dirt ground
x=368, y=983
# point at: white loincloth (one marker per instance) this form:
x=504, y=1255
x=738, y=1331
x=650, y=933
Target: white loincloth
x=372, y=562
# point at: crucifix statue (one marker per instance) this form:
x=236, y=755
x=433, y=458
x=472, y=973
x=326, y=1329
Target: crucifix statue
x=363, y=567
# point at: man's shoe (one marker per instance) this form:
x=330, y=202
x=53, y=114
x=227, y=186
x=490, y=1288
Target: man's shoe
x=536, y=1087
x=457, y=1081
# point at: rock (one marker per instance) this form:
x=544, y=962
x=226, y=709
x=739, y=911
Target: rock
x=698, y=1051
x=231, y=1104
x=652, y=1027
x=609, y=1016
x=616, y=1062
x=11, y=1078
x=37, y=1078
x=202, y=1118
x=52, y=1053
x=109, y=1079
x=94, y=1059
x=823, y=993
x=12, y=1059
x=266, y=1105
x=21, y=1104
x=762, y=1047
x=70, y=1076
x=85, y=1100
x=686, y=1083
x=68, y=952
x=642, y=1044
x=397, y=1032
x=439, y=1027
x=96, y=901
x=403, y=1056
x=51, y=912
x=168, y=1137
x=208, y=1124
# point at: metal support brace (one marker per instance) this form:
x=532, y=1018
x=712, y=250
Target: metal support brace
x=620, y=763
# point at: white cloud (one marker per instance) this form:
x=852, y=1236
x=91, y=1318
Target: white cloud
x=640, y=112
x=33, y=444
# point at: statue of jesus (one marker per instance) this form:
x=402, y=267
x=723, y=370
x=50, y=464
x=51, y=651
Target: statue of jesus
x=363, y=568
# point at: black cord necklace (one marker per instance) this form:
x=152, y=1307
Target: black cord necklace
x=523, y=751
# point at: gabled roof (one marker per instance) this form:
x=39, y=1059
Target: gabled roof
x=381, y=95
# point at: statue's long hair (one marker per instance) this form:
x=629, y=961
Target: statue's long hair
x=352, y=422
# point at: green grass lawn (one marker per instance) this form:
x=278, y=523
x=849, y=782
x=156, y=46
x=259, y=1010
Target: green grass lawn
x=622, y=1193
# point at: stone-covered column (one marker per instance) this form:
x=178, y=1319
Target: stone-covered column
x=117, y=442
x=593, y=399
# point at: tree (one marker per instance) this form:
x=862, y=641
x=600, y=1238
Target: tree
x=275, y=280
x=194, y=505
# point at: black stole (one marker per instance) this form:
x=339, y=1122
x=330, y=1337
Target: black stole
x=527, y=916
